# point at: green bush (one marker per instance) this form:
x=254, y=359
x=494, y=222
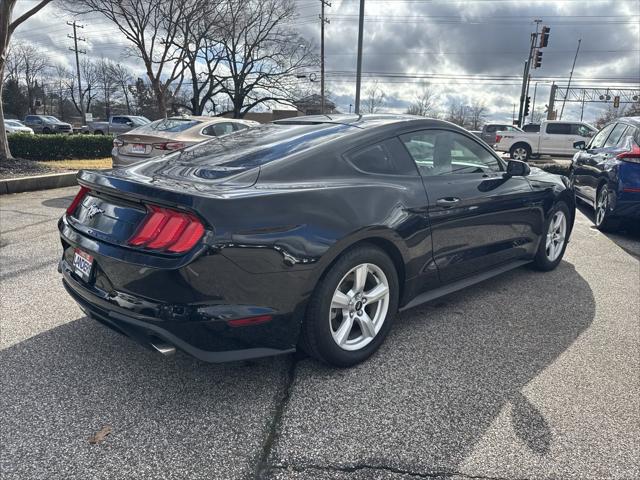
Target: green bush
x=555, y=168
x=60, y=147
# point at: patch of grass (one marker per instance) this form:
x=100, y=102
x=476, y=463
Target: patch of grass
x=80, y=164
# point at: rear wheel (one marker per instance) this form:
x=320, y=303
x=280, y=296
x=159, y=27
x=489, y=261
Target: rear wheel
x=98, y=132
x=350, y=312
x=554, y=242
x=604, y=220
x=521, y=152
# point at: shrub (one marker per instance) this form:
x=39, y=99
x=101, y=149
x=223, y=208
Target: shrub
x=555, y=168
x=59, y=147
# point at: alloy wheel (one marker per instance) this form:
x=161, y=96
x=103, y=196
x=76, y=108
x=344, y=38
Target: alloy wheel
x=602, y=203
x=520, y=154
x=556, y=234
x=359, y=306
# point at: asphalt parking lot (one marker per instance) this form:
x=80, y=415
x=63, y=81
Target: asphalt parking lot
x=528, y=375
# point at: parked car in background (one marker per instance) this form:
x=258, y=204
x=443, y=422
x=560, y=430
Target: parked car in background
x=47, y=124
x=309, y=232
x=605, y=173
x=531, y=128
x=16, y=126
x=173, y=133
x=477, y=133
x=489, y=131
x=554, y=138
x=116, y=124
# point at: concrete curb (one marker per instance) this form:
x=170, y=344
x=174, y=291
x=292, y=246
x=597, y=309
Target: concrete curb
x=37, y=182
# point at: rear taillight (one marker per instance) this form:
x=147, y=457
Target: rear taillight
x=117, y=143
x=247, y=322
x=631, y=155
x=76, y=201
x=498, y=138
x=168, y=230
x=169, y=146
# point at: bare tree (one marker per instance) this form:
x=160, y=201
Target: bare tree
x=424, y=104
x=153, y=28
x=107, y=83
x=7, y=27
x=261, y=54
x=28, y=64
x=123, y=79
x=477, y=113
x=375, y=98
x=458, y=112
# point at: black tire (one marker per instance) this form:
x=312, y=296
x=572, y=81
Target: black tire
x=520, y=151
x=46, y=130
x=603, y=217
x=541, y=261
x=317, y=338
x=98, y=132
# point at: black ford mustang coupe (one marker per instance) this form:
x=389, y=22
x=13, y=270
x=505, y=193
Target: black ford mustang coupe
x=309, y=232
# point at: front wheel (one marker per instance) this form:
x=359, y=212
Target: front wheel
x=46, y=130
x=350, y=313
x=554, y=240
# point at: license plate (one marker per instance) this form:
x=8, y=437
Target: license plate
x=82, y=264
x=138, y=148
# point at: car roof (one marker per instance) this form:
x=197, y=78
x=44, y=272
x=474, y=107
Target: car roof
x=635, y=121
x=203, y=118
x=367, y=121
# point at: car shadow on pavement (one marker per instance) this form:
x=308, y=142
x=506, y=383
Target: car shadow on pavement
x=58, y=202
x=170, y=417
x=444, y=375
x=627, y=237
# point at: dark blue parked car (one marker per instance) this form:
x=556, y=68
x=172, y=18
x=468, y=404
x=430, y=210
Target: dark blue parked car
x=606, y=174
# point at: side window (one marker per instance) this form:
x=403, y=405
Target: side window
x=601, y=136
x=386, y=157
x=559, y=128
x=119, y=120
x=580, y=129
x=492, y=128
x=616, y=135
x=218, y=129
x=239, y=126
x=441, y=152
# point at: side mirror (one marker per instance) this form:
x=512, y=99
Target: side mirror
x=516, y=168
x=130, y=124
x=580, y=145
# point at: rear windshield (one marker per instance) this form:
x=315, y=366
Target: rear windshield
x=172, y=125
x=220, y=157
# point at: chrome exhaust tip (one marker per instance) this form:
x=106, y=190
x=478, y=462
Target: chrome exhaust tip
x=164, y=348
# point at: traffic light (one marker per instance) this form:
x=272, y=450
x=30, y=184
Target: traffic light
x=616, y=102
x=527, y=102
x=544, y=37
x=537, y=61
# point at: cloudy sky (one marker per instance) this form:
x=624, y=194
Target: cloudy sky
x=471, y=50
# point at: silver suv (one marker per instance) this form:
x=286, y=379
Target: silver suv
x=47, y=124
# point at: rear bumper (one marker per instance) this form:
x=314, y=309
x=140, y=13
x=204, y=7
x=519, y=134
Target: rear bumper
x=121, y=160
x=203, y=333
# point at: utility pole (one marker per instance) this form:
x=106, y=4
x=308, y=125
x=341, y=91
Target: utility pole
x=570, y=77
x=359, y=70
x=323, y=20
x=78, y=52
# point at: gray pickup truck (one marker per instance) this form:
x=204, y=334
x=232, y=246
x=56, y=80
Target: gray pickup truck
x=116, y=124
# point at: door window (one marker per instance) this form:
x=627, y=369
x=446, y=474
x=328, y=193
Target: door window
x=218, y=129
x=580, y=129
x=239, y=126
x=559, y=128
x=120, y=120
x=599, y=139
x=616, y=135
x=441, y=152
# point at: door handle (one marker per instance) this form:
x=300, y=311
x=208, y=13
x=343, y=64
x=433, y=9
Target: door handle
x=447, y=201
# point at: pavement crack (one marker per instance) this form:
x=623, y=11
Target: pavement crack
x=439, y=474
x=282, y=399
